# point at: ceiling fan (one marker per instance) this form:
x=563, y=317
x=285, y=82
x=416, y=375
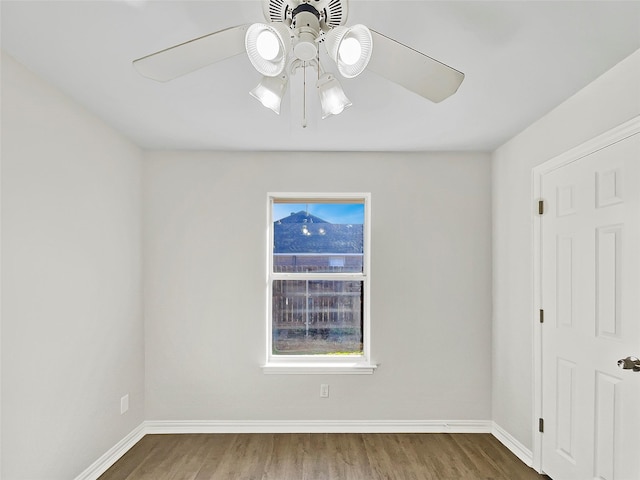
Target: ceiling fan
x=290, y=40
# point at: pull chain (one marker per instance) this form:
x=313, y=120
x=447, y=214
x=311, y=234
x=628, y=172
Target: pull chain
x=304, y=94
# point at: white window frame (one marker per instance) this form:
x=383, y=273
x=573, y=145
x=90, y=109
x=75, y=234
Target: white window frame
x=320, y=364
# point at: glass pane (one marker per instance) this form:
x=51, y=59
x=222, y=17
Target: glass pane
x=318, y=237
x=317, y=317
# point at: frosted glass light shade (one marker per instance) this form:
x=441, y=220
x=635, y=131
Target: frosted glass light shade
x=267, y=47
x=332, y=97
x=350, y=48
x=270, y=92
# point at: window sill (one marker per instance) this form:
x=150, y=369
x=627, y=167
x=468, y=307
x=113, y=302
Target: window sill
x=302, y=368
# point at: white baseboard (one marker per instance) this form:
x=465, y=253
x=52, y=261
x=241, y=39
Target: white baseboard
x=318, y=426
x=101, y=465
x=519, y=450
x=285, y=426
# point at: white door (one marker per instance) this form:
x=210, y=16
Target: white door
x=590, y=295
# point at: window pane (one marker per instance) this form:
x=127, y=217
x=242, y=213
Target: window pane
x=318, y=237
x=317, y=317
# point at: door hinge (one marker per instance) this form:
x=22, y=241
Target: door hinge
x=541, y=316
x=541, y=425
x=540, y=207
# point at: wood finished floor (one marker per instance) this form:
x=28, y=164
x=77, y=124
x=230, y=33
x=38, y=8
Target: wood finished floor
x=348, y=456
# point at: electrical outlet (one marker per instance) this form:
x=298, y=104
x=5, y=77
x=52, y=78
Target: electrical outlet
x=124, y=404
x=324, y=390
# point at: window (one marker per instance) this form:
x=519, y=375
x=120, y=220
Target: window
x=318, y=284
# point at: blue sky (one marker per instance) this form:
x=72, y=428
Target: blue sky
x=331, y=212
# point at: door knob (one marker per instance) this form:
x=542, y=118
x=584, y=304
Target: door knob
x=630, y=363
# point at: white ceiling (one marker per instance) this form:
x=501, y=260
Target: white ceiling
x=521, y=59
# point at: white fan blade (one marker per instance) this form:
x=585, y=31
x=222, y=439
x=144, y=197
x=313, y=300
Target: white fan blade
x=413, y=70
x=190, y=56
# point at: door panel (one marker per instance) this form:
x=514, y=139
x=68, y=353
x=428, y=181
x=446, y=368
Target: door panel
x=607, y=418
x=609, y=257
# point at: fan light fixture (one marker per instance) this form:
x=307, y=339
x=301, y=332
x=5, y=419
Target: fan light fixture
x=268, y=47
x=350, y=48
x=270, y=91
x=332, y=97
x=289, y=41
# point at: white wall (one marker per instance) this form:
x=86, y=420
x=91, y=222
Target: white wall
x=607, y=102
x=204, y=276
x=72, y=332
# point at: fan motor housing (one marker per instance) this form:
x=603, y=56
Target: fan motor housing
x=303, y=9
x=332, y=12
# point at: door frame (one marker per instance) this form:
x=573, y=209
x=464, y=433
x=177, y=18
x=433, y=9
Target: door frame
x=616, y=134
